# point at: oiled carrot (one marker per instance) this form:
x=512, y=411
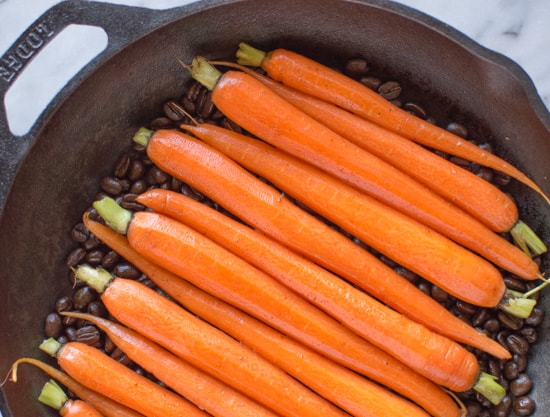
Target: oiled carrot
x=315, y=79
x=373, y=363
x=206, y=347
x=99, y=372
x=400, y=238
x=206, y=392
x=103, y=404
x=474, y=194
x=53, y=396
x=203, y=168
x=266, y=209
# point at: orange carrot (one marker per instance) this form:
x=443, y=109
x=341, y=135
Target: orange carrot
x=103, y=404
x=475, y=195
x=204, y=346
x=274, y=120
x=99, y=372
x=315, y=79
x=264, y=208
x=206, y=392
x=212, y=268
x=373, y=363
x=400, y=238
x=53, y=396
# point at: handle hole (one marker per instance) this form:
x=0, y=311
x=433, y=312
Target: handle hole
x=57, y=63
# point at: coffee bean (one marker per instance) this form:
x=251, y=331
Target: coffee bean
x=111, y=186
x=122, y=165
x=492, y=325
x=96, y=308
x=174, y=111
x=138, y=187
x=87, y=334
x=524, y=406
x=82, y=297
x=75, y=257
x=521, y=362
x=64, y=303
x=356, y=66
x=529, y=334
x=510, y=370
x=509, y=321
x=517, y=344
x=109, y=260
x=479, y=317
x=415, y=109
x=371, y=82
x=514, y=284
x=504, y=408
x=458, y=129
x=53, y=326
x=79, y=233
x=129, y=202
x=521, y=385
x=536, y=317
x=94, y=257
x=156, y=176
x=162, y=122
x=126, y=270
x=390, y=90
x=136, y=170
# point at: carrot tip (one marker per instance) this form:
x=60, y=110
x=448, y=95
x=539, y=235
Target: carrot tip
x=116, y=217
x=517, y=304
x=488, y=386
x=527, y=239
x=250, y=56
x=52, y=395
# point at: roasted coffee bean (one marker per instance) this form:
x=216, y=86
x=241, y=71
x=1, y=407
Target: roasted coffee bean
x=439, y=295
x=94, y=257
x=492, y=325
x=120, y=356
x=501, y=179
x=110, y=259
x=111, y=186
x=458, y=129
x=494, y=367
x=356, y=66
x=521, y=362
x=524, y=406
x=371, y=82
x=91, y=243
x=70, y=333
x=108, y=345
x=122, y=165
x=79, y=233
x=521, y=385
x=174, y=111
x=390, y=90
x=504, y=408
x=129, y=203
x=530, y=334
x=465, y=308
x=536, y=317
x=64, y=303
x=484, y=173
x=415, y=109
x=156, y=176
x=162, y=122
x=517, y=344
x=480, y=317
x=510, y=370
x=509, y=321
x=188, y=105
x=136, y=170
x=87, y=334
x=207, y=107
x=96, y=308
x=75, y=257
x=514, y=284
x=126, y=270
x=473, y=408
x=138, y=187
x=53, y=326
x=461, y=162
x=82, y=297
x=425, y=287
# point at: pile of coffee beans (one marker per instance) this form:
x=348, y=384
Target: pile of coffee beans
x=134, y=173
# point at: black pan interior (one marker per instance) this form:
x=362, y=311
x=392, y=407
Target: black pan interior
x=80, y=141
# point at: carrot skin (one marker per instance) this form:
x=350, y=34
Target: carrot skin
x=103, y=374
x=409, y=243
x=265, y=209
x=460, y=186
x=207, y=393
x=205, y=169
x=311, y=77
x=379, y=366
x=106, y=406
x=208, y=348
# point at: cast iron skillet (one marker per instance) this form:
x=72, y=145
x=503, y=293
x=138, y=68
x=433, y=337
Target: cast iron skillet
x=49, y=176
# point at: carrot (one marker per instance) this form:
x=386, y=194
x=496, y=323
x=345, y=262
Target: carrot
x=207, y=265
x=264, y=208
x=315, y=79
x=103, y=404
x=202, y=345
x=101, y=373
x=53, y=396
x=346, y=389
x=206, y=392
x=475, y=195
x=375, y=363
x=400, y=238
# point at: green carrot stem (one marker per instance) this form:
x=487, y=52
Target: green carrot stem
x=53, y=395
x=527, y=239
x=50, y=346
x=116, y=216
x=204, y=72
x=97, y=278
x=142, y=136
x=517, y=304
x=488, y=386
x=250, y=56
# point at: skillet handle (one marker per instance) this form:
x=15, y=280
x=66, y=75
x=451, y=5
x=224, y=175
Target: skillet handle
x=122, y=24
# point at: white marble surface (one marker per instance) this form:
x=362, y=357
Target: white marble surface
x=516, y=28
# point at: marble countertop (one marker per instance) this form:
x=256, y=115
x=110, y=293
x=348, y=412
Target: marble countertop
x=516, y=28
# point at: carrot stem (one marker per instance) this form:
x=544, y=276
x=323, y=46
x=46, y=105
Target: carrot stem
x=118, y=219
x=250, y=56
x=527, y=239
x=517, y=304
x=488, y=386
x=52, y=395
